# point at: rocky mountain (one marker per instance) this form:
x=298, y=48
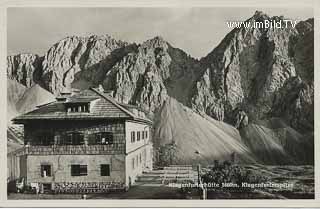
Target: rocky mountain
x=251, y=66
x=253, y=76
x=24, y=68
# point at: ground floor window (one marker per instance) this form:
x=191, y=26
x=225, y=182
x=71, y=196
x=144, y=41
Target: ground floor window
x=45, y=170
x=137, y=161
x=105, y=170
x=79, y=170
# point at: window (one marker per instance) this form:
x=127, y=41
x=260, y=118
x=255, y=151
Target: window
x=140, y=158
x=132, y=160
x=45, y=170
x=104, y=170
x=79, y=170
x=137, y=160
x=142, y=134
x=47, y=187
x=77, y=107
x=138, y=135
x=133, y=136
x=146, y=134
x=104, y=138
x=44, y=139
x=73, y=138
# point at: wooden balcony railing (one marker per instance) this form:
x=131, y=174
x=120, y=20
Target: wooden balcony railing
x=75, y=149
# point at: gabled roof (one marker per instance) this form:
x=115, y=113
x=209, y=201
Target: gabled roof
x=102, y=106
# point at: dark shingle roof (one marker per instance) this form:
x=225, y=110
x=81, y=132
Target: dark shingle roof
x=101, y=106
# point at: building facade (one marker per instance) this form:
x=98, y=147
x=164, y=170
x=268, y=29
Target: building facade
x=85, y=142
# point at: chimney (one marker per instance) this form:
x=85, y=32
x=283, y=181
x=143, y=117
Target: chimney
x=100, y=88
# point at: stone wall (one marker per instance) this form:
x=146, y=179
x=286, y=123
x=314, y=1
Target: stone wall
x=61, y=168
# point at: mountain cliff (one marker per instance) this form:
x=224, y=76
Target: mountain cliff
x=253, y=75
x=251, y=66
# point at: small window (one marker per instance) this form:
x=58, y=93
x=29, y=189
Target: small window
x=133, y=136
x=47, y=188
x=79, y=170
x=78, y=107
x=132, y=163
x=140, y=158
x=137, y=160
x=105, y=170
x=45, y=170
x=142, y=134
x=104, y=138
x=138, y=135
x=146, y=134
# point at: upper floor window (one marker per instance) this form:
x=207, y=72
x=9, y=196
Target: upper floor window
x=138, y=135
x=146, y=134
x=44, y=138
x=77, y=107
x=73, y=138
x=104, y=138
x=133, y=136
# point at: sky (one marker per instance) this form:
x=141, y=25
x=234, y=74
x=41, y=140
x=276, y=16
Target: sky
x=195, y=30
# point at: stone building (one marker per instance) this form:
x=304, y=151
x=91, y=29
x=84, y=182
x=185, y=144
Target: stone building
x=85, y=142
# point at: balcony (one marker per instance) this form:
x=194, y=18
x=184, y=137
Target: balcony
x=75, y=149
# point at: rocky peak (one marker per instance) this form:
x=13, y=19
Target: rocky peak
x=156, y=42
x=24, y=68
x=259, y=16
x=74, y=54
x=148, y=75
x=245, y=71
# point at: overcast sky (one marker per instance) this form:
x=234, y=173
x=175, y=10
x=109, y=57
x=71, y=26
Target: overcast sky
x=195, y=30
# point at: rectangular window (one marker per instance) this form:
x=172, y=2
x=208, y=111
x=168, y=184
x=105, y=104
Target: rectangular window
x=146, y=134
x=132, y=160
x=105, y=170
x=133, y=136
x=45, y=170
x=79, y=170
x=74, y=138
x=44, y=139
x=104, y=138
x=138, y=135
x=140, y=158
